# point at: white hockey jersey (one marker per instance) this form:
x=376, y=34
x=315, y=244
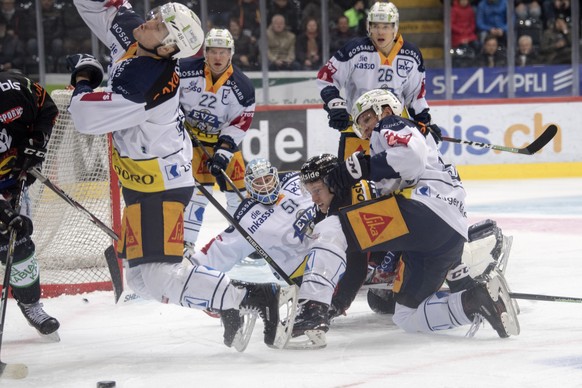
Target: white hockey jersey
x=225, y=107
x=279, y=229
x=359, y=67
x=402, y=159
x=140, y=106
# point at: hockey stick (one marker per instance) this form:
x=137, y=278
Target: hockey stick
x=545, y=298
x=38, y=175
x=11, y=371
x=244, y=233
x=531, y=149
x=226, y=177
x=114, y=271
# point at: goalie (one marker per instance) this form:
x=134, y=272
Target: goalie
x=27, y=116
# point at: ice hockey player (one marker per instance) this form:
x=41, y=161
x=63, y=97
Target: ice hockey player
x=279, y=216
x=218, y=100
x=27, y=116
x=152, y=156
x=381, y=60
x=422, y=213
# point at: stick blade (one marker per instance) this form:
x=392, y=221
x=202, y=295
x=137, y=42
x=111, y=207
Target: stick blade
x=13, y=371
x=114, y=271
x=541, y=141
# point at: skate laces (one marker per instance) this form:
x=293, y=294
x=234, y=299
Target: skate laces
x=475, y=325
x=34, y=312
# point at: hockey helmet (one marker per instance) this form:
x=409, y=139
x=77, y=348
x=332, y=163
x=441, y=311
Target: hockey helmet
x=262, y=181
x=184, y=27
x=375, y=99
x=383, y=13
x=218, y=37
x=318, y=167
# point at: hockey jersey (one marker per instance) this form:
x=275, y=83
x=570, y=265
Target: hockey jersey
x=225, y=107
x=404, y=161
x=282, y=230
x=359, y=67
x=140, y=106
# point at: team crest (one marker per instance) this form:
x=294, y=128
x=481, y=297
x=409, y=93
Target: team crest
x=404, y=67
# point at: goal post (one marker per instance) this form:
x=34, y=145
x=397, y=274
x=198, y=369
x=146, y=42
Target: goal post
x=69, y=248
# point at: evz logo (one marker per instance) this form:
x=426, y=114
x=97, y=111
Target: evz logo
x=404, y=67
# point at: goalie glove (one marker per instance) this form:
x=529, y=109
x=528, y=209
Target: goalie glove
x=338, y=116
x=347, y=174
x=86, y=65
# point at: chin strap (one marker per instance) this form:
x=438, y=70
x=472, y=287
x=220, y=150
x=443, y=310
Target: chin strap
x=151, y=51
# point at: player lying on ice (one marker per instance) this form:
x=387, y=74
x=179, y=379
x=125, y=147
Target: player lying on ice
x=140, y=107
x=421, y=214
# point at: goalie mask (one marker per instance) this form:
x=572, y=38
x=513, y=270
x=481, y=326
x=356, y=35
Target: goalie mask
x=184, y=28
x=383, y=13
x=262, y=181
x=376, y=100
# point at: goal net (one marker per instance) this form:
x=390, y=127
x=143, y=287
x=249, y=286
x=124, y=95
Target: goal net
x=69, y=248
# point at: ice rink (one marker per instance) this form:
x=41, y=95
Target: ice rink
x=146, y=344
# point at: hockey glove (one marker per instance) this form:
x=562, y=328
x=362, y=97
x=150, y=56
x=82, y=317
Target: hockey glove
x=30, y=154
x=347, y=174
x=219, y=161
x=86, y=65
x=433, y=129
x=9, y=219
x=339, y=118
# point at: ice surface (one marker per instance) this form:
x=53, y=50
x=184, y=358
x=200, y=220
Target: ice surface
x=147, y=344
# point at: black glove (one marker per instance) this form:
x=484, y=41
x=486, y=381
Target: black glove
x=30, y=154
x=347, y=174
x=433, y=129
x=86, y=64
x=339, y=118
x=9, y=219
x=219, y=161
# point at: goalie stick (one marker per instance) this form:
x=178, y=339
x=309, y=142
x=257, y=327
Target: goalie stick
x=11, y=371
x=244, y=233
x=44, y=180
x=531, y=149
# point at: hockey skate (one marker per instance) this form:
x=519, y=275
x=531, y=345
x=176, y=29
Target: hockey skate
x=46, y=325
x=313, y=322
x=266, y=300
x=491, y=301
x=237, y=328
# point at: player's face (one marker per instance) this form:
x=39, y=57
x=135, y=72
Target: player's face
x=151, y=33
x=367, y=121
x=382, y=35
x=218, y=59
x=320, y=195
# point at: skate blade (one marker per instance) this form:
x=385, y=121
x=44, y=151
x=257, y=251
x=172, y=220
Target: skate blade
x=316, y=339
x=12, y=371
x=497, y=288
x=243, y=336
x=52, y=337
x=287, y=313
x=504, y=257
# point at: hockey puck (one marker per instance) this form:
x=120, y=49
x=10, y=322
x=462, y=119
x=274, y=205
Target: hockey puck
x=85, y=300
x=106, y=384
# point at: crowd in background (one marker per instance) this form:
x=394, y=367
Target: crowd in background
x=478, y=31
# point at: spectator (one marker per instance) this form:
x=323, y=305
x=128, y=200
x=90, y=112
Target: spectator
x=528, y=9
x=356, y=17
x=78, y=36
x=291, y=11
x=313, y=11
x=13, y=18
x=11, y=49
x=52, y=19
x=249, y=17
x=463, y=31
x=340, y=35
x=492, y=20
x=281, y=46
x=491, y=54
x=245, y=48
x=554, y=9
x=308, y=46
x=556, y=43
x=526, y=54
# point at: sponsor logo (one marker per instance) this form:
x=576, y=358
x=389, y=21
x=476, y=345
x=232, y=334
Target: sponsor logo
x=11, y=115
x=8, y=85
x=145, y=179
x=393, y=139
x=374, y=224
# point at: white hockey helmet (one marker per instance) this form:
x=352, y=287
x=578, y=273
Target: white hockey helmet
x=185, y=29
x=262, y=181
x=383, y=13
x=375, y=99
x=219, y=37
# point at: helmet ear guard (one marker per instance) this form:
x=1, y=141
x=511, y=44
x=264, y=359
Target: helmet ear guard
x=376, y=100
